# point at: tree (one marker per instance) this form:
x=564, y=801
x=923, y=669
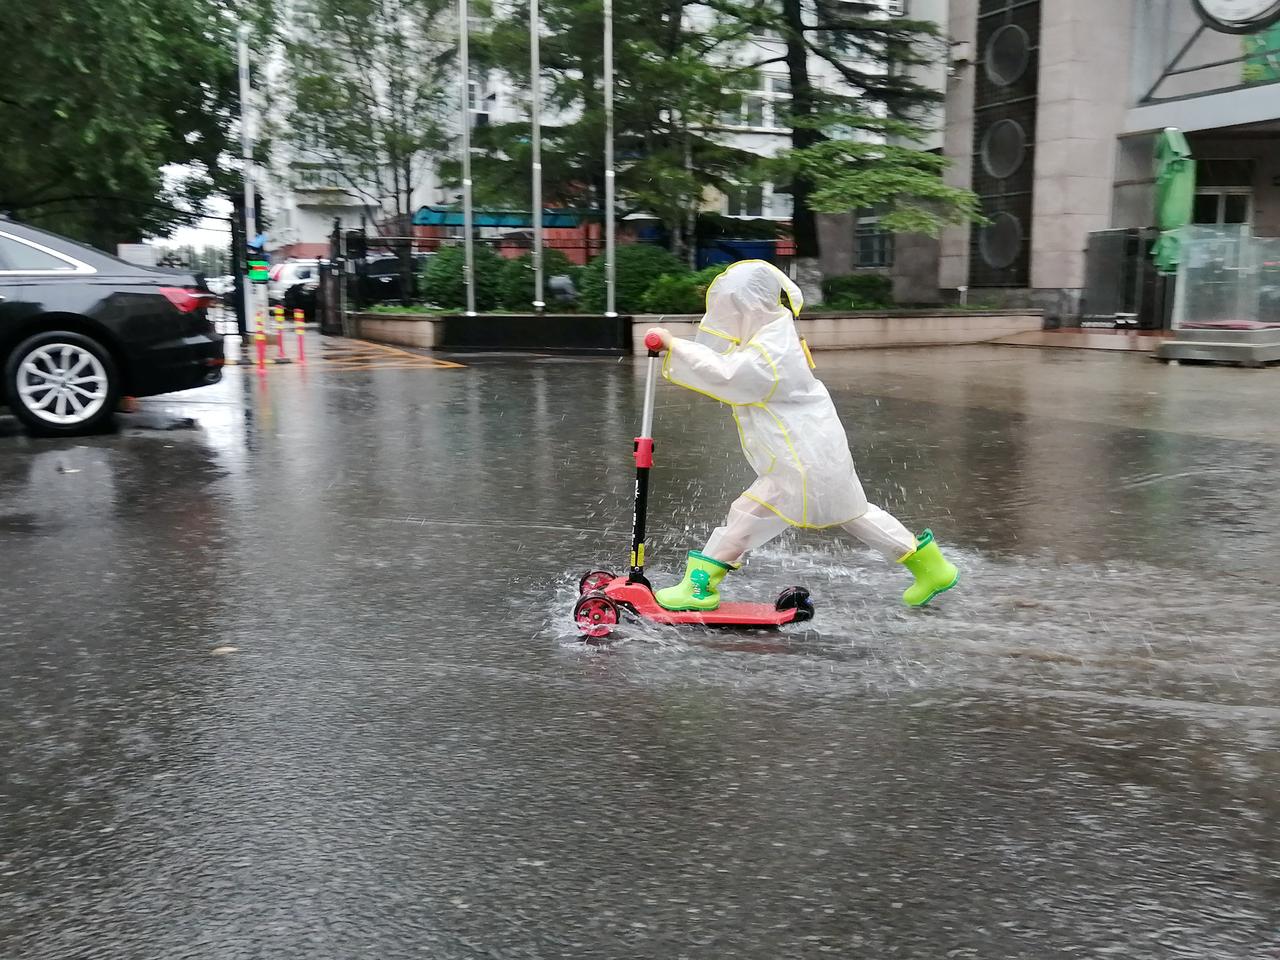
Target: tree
x=98, y=99
x=673, y=82
x=367, y=81
x=857, y=147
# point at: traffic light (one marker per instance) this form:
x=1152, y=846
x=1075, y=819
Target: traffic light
x=258, y=263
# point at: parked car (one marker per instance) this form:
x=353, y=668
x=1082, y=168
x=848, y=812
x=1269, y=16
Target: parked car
x=79, y=329
x=302, y=296
x=282, y=276
x=223, y=286
x=381, y=279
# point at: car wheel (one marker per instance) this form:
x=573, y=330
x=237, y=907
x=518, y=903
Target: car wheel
x=61, y=383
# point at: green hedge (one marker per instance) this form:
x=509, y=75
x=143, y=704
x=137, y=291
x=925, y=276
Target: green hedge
x=680, y=292
x=516, y=282
x=636, y=267
x=858, y=291
x=442, y=281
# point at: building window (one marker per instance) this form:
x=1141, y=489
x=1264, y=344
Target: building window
x=873, y=246
x=763, y=106
x=779, y=202
x=746, y=202
x=317, y=178
x=1225, y=207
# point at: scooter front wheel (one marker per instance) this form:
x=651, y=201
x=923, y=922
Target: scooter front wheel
x=596, y=616
x=595, y=580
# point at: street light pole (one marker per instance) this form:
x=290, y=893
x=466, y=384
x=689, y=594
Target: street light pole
x=535, y=123
x=469, y=270
x=246, y=152
x=610, y=309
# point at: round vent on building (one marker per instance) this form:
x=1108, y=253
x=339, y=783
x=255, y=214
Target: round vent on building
x=1008, y=55
x=1001, y=241
x=1003, y=147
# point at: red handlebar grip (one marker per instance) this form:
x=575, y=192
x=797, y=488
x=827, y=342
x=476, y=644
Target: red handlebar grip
x=653, y=341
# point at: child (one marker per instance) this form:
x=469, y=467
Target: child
x=749, y=356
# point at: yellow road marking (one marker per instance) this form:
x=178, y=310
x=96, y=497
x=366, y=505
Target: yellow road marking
x=366, y=355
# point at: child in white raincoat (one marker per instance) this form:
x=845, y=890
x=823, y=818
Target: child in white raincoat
x=748, y=355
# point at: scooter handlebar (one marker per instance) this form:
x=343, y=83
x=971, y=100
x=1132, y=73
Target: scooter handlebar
x=653, y=342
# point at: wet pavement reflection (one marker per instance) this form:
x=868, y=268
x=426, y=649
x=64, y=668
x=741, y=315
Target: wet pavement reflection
x=291, y=673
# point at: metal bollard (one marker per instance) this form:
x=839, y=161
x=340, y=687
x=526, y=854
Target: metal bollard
x=278, y=315
x=298, y=320
x=260, y=340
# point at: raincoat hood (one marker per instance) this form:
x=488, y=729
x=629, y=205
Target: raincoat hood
x=746, y=298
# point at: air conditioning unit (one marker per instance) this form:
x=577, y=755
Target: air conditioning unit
x=895, y=8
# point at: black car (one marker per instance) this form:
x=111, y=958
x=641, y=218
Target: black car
x=79, y=329
x=381, y=279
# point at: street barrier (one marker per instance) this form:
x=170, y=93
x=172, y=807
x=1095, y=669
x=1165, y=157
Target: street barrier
x=298, y=321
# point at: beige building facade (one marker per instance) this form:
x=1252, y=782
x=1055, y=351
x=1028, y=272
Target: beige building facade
x=1052, y=111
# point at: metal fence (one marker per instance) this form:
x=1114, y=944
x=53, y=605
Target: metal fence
x=364, y=270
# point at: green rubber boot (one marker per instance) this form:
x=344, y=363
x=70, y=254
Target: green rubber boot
x=697, y=591
x=934, y=575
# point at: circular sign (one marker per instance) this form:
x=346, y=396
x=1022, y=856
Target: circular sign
x=1008, y=54
x=1003, y=148
x=1000, y=241
x=1238, y=16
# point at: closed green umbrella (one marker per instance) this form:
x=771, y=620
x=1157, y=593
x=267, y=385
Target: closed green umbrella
x=1175, y=196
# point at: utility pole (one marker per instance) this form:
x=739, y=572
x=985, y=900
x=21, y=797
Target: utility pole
x=610, y=309
x=535, y=123
x=246, y=153
x=469, y=271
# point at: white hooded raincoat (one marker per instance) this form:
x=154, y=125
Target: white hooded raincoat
x=749, y=356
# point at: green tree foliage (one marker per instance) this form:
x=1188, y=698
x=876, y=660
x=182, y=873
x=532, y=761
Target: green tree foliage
x=858, y=291
x=442, y=279
x=903, y=183
x=99, y=97
x=636, y=266
x=210, y=261
x=679, y=293
x=517, y=277
x=873, y=125
x=368, y=82
x=670, y=92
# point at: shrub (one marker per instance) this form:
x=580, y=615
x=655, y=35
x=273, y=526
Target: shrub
x=680, y=292
x=858, y=291
x=636, y=266
x=516, y=282
x=442, y=280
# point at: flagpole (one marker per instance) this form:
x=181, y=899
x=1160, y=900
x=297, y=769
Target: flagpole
x=246, y=151
x=467, y=214
x=535, y=123
x=609, y=226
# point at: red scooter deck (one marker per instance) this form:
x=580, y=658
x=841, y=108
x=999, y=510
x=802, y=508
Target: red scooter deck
x=640, y=599
x=603, y=603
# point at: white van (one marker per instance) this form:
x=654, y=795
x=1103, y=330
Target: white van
x=285, y=275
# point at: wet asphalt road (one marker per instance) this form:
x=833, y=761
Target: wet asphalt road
x=289, y=673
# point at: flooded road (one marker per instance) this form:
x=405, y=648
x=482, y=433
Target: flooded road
x=290, y=672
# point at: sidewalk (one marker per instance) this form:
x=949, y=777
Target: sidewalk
x=1084, y=338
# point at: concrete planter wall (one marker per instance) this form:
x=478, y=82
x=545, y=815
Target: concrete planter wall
x=398, y=329
x=553, y=333
x=822, y=331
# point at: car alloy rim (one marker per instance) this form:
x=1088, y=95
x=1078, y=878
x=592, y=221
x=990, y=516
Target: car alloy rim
x=62, y=383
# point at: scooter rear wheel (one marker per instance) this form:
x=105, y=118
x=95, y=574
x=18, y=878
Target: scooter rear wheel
x=796, y=598
x=596, y=616
x=595, y=580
